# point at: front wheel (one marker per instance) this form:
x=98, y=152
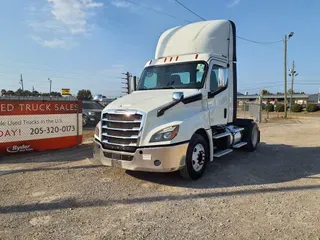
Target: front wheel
x=196, y=159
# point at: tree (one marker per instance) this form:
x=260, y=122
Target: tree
x=3, y=92
x=279, y=107
x=10, y=93
x=265, y=92
x=35, y=93
x=19, y=92
x=290, y=90
x=84, y=95
x=296, y=107
x=56, y=94
x=270, y=107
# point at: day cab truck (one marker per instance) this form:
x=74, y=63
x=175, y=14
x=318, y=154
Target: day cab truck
x=184, y=112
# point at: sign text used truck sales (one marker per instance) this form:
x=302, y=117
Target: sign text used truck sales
x=39, y=125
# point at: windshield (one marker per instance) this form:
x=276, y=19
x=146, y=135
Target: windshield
x=185, y=75
x=92, y=105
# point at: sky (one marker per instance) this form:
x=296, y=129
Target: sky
x=87, y=44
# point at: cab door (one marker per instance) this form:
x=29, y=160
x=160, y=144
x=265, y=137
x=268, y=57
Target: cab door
x=218, y=93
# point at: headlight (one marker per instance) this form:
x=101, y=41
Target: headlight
x=90, y=113
x=97, y=130
x=166, y=134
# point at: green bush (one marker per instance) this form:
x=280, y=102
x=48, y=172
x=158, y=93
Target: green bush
x=269, y=107
x=279, y=107
x=312, y=107
x=296, y=108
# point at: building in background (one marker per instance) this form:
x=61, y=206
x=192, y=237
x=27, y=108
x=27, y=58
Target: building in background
x=270, y=98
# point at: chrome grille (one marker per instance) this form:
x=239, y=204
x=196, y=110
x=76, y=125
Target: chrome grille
x=121, y=128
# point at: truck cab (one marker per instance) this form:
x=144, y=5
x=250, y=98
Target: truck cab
x=184, y=112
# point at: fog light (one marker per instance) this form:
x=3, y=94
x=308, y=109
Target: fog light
x=157, y=163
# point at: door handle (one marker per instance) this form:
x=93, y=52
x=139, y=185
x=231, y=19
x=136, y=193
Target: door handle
x=225, y=113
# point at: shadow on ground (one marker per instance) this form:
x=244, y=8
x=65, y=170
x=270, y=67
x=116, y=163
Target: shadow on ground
x=73, y=203
x=78, y=153
x=268, y=164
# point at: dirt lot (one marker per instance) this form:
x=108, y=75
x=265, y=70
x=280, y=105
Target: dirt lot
x=273, y=193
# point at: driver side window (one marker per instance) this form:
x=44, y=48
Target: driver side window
x=218, y=78
x=151, y=80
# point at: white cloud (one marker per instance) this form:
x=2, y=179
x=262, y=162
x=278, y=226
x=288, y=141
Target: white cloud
x=233, y=3
x=121, y=4
x=73, y=13
x=62, y=19
x=53, y=43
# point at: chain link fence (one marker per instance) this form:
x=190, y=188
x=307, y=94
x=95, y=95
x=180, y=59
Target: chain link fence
x=250, y=110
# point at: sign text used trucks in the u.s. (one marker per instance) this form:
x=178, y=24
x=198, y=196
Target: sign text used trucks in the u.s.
x=27, y=126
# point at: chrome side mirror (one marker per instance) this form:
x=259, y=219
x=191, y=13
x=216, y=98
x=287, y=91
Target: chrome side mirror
x=177, y=96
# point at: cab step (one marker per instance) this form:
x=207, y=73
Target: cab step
x=221, y=135
x=222, y=153
x=239, y=145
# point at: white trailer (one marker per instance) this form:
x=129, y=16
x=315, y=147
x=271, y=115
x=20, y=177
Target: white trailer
x=183, y=114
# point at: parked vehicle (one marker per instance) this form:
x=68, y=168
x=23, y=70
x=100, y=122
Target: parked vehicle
x=183, y=114
x=99, y=98
x=91, y=113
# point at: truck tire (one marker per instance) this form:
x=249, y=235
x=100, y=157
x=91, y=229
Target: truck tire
x=197, y=158
x=253, y=137
x=251, y=133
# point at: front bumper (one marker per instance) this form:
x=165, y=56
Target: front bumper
x=172, y=158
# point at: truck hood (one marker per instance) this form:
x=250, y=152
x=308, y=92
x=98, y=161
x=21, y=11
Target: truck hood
x=148, y=100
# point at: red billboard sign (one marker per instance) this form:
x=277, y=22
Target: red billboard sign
x=27, y=126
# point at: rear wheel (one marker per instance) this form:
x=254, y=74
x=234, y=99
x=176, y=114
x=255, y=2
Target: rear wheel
x=253, y=137
x=196, y=159
x=251, y=133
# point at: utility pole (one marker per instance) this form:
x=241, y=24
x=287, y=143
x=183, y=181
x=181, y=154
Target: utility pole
x=293, y=74
x=50, y=81
x=285, y=42
x=21, y=82
x=32, y=88
x=134, y=83
x=285, y=76
x=127, y=82
x=260, y=106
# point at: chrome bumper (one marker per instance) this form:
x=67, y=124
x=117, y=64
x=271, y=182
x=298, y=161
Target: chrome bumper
x=172, y=158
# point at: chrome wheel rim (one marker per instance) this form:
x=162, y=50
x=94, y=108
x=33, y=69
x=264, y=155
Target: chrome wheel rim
x=198, y=157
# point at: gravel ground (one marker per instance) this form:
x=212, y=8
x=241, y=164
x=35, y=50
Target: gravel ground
x=272, y=193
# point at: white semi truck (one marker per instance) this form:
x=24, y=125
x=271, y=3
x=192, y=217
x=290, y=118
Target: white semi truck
x=184, y=112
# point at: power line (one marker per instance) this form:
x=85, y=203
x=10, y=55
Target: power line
x=155, y=10
x=300, y=82
x=258, y=42
x=185, y=7
x=264, y=87
x=242, y=38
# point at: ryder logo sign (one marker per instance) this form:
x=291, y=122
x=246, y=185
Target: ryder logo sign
x=22, y=148
x=27, y=126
